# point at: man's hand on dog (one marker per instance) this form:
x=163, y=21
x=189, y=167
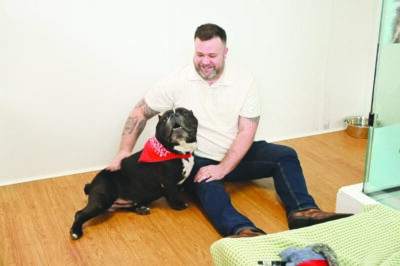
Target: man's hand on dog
x=116, y=162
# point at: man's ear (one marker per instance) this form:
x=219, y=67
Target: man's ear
x=226, y=51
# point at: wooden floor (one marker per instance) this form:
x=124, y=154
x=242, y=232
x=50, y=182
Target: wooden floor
x=35, y=217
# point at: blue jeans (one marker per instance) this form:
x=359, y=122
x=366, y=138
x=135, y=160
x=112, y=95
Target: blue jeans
x=262, y=160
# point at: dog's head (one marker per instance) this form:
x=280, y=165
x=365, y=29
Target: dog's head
x=176, y=130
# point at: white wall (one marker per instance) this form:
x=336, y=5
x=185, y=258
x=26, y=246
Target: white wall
x=70, y=71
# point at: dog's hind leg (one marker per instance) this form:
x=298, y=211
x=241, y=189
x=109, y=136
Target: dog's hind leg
x=98, y=203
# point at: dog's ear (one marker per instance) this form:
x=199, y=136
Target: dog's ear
x=159, y=117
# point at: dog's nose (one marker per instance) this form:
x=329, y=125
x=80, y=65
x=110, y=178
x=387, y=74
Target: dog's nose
x=172, y=119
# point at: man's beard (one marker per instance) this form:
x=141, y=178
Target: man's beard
x=210, y=76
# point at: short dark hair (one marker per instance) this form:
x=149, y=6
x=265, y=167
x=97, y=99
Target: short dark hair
x=208, y=31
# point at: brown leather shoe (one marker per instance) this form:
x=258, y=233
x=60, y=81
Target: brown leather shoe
x=312, y=217
x=249, y=233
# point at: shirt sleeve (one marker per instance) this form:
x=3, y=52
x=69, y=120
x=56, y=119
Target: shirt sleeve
x=161, y=96
x=251, y=106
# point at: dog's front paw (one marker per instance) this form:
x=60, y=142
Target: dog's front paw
x=179, y=205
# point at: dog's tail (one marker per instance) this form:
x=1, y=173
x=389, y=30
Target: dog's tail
x=87, y=189
x=101, y=175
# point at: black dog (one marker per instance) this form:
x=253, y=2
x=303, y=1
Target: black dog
x=156, y=171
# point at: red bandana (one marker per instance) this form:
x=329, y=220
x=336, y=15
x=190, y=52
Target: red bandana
x=154, y=151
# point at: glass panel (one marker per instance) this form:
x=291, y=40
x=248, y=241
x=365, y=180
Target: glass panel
x=382, y=172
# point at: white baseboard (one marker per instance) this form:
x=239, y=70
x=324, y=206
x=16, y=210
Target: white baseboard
x=55, y=175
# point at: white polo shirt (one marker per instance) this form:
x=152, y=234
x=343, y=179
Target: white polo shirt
x=217, y=107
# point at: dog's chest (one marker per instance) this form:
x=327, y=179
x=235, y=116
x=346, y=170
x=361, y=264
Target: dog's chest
x=187, y=168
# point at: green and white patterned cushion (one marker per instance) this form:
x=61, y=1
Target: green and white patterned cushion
x=371, y=237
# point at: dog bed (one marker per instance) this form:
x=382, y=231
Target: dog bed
x=371, y=237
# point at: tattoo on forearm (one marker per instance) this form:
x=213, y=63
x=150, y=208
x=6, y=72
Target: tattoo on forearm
x=133, y=125
x=140, y=127
x=130, y=125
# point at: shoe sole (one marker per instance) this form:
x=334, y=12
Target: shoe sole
x=304, y=221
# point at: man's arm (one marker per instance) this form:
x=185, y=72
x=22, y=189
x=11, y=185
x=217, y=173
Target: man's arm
x=133, y=128
x=242, y=143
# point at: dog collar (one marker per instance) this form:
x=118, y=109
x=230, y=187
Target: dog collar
x=154, y=151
